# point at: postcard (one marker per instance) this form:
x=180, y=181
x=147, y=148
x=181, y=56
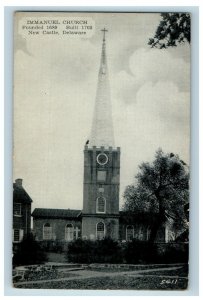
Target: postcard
x=101, y=150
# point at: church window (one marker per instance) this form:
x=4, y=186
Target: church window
x=69, y=232
x=102, y=159
x=47, y=232
x=100, y=230
x=17, y=209
x=101, y=176
x=129, y=232
x=101, y=205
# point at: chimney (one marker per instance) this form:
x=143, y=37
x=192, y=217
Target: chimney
x=19, y=182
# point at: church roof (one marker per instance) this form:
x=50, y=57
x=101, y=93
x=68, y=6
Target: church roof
x=56, y=213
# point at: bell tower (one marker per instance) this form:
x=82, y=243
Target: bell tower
x=100, y=217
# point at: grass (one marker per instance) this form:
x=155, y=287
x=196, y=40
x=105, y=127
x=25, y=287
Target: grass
x=118, y=283
x=159, y=280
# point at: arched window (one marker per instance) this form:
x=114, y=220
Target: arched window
x=69, y=232
x=100, y=231
x=101, y=205
x=129, y=232
x=47, y=232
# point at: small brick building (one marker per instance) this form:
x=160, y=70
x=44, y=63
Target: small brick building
x=21, y=212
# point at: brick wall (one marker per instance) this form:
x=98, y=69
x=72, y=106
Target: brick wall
x=58, y=227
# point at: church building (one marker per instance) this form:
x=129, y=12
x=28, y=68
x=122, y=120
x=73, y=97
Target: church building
x=100, y=216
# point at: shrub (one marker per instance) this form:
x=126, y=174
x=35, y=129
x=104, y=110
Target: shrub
x=132, y=252
x=80, y=251
x=108, y=251
x=52, y=246
x=100, y=251
x=29, y=252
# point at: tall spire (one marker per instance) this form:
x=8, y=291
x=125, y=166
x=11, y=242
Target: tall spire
x=102, y=125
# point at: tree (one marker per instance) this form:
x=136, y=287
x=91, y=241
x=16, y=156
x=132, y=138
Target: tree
x=173, y=29
x=161, y=187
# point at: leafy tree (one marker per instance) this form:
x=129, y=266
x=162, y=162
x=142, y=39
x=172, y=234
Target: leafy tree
x=173, y=29
x=161, y=187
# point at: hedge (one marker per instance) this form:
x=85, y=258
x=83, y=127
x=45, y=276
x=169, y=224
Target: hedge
x=132, y=252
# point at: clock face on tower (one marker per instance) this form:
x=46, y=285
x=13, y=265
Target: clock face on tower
x=102, y=159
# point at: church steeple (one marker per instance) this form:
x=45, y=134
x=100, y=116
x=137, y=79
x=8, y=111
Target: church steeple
x=102, y=125
x=100, y=216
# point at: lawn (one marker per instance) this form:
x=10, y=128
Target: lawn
x=159, y=280
x=118, y=283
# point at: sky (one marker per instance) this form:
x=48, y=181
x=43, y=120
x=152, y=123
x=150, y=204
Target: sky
x=55, y=81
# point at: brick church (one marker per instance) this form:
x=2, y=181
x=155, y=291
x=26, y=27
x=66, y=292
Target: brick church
x=100, y=216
